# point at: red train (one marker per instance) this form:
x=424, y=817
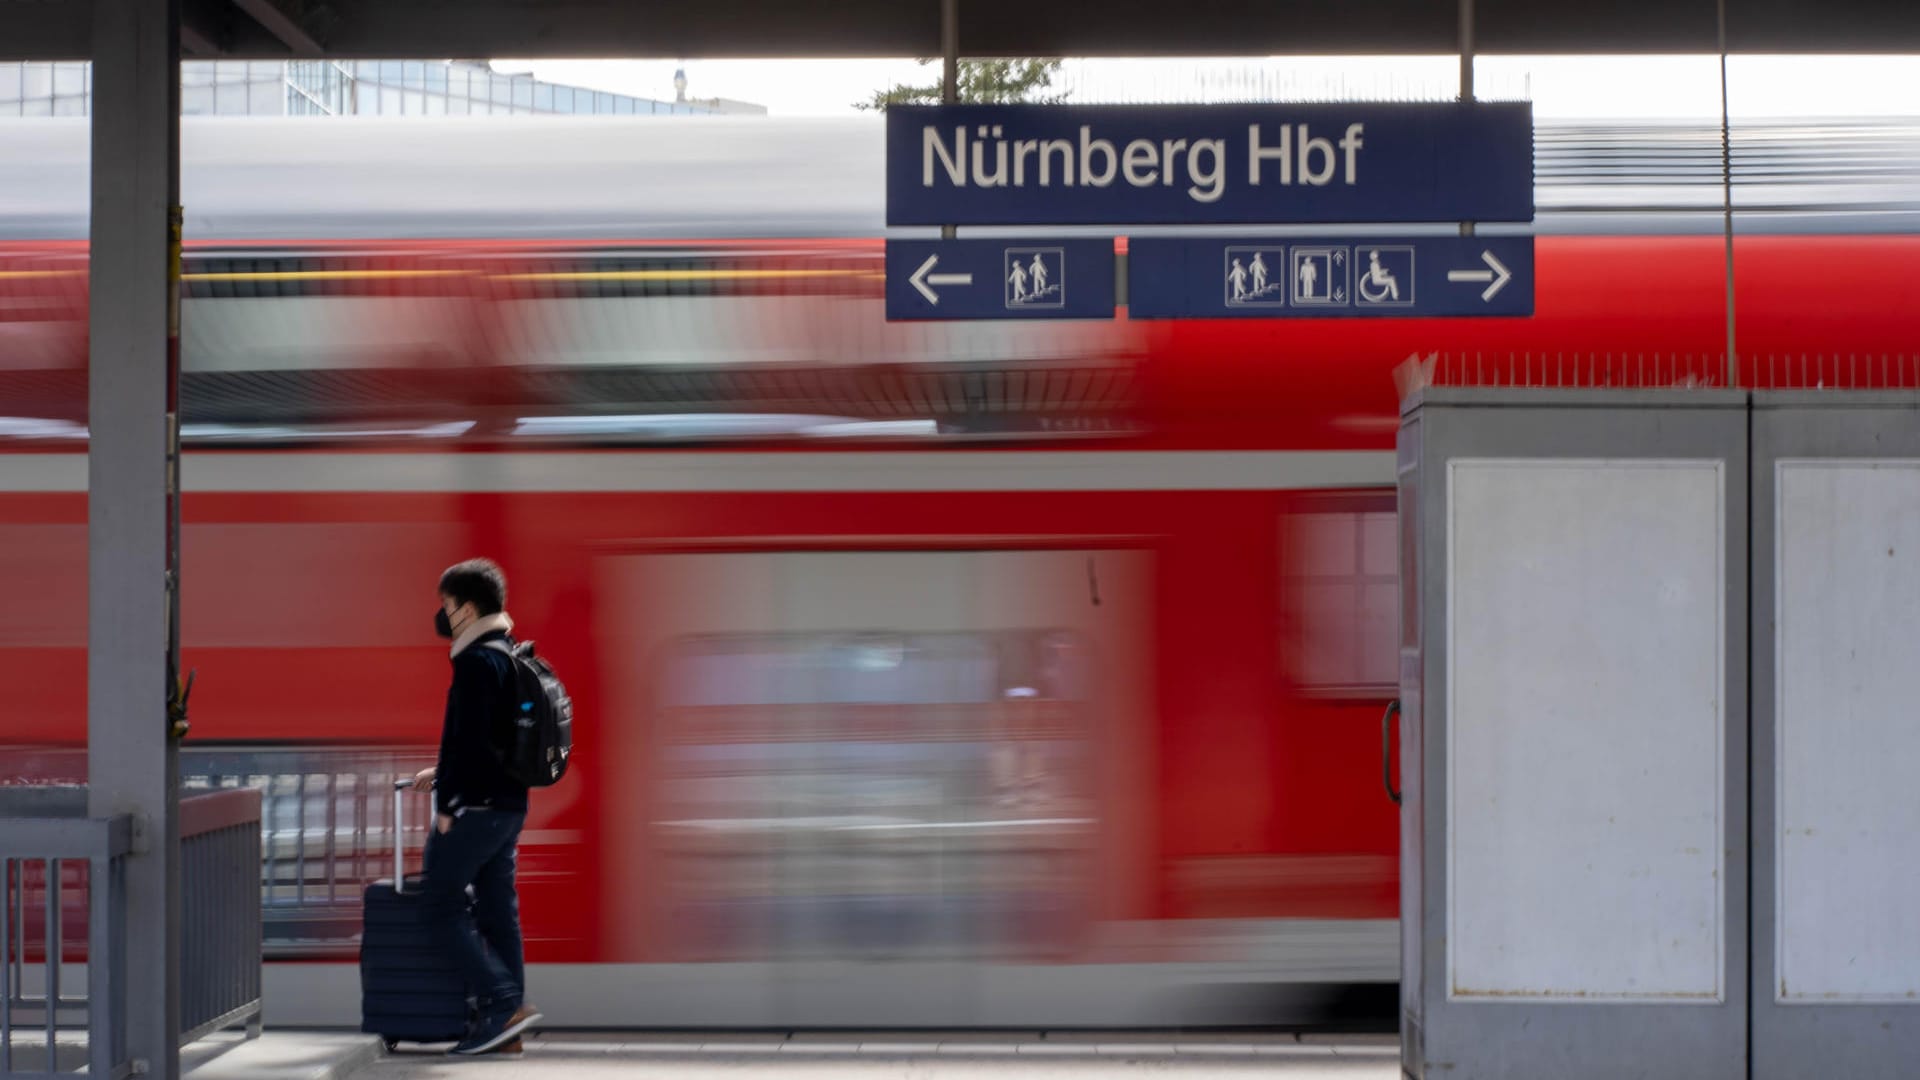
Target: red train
x=926, y=675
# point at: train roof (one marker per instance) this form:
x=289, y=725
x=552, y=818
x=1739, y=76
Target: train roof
x=605, y=178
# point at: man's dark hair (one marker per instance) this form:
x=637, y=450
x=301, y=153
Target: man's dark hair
x=479, y=582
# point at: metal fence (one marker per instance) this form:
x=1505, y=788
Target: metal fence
x=326, y=828
x=64, y=994
x=220, y=931
x=51, y=855
x=325, y=825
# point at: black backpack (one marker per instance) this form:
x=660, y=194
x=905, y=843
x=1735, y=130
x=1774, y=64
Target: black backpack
x=534, y=749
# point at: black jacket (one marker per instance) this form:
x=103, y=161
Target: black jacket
x=469, y=773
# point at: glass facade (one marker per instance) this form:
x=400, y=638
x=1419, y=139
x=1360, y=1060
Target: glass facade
x=337, y=88
x=44, y=89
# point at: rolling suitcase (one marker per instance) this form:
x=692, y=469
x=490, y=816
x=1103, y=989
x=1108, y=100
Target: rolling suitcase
x=409, y=990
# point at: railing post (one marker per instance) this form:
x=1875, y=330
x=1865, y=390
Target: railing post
x=6, y=964
x=51, y=899
x=103, y=1013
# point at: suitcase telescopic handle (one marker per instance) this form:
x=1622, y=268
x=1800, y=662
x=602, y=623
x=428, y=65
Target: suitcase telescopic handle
x=400, y=834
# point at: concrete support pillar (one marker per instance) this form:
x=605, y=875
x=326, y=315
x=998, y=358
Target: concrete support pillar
x=132, y=387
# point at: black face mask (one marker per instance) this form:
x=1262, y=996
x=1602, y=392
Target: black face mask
x=441, y=624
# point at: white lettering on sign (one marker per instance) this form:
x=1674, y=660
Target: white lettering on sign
x=1211, y=182
x=1143, y=165
x=1090, y=146
x=1310, y=147
x=985, y=158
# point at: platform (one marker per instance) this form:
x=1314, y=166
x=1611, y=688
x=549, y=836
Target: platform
x=280, y=1055
x=224, y=1055
x=922, y=1055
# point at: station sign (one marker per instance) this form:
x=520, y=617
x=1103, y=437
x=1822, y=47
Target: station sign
x=1329, y=277
x=1027, y=278
x=1209, y=164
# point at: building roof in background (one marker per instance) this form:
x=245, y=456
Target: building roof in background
x=273, y=29
x=345, y=88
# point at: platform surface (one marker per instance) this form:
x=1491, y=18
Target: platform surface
x=923, y=1056
x=279, y=1055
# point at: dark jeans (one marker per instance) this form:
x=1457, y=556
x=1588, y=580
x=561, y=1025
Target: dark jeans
x=484, y=940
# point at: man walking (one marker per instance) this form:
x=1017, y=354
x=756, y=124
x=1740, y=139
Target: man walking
x=480, y=809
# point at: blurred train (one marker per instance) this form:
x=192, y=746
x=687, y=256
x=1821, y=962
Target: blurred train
x=926, y=675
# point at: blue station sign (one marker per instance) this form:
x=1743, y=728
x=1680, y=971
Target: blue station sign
x=1026, y=278
x=1371, y=277
x=1210, y=164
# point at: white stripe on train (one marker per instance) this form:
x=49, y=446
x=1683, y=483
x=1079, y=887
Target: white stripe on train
x=676, y=471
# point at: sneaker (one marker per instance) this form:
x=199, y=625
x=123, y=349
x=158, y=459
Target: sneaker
x=494, y=1033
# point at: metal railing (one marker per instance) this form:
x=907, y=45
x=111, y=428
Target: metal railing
x=324, y=820
x=50, y=850
x=220, y=929
x=326, y=831
x=52, y=914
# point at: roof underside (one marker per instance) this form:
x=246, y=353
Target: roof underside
x=59, y=29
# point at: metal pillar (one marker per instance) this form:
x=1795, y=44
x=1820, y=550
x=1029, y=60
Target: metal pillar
x=949, y=51
x=1466, y=72
x=949, y=69
x=1726, y=194
x=132, y=387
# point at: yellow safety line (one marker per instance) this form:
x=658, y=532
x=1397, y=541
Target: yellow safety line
x=321, y=275
x=676, y=275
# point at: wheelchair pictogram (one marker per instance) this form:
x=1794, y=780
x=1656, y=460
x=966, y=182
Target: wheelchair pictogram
x=1385, y=276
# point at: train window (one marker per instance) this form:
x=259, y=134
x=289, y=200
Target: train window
x=872, y=668
x=874, y=794
x=1341, y=596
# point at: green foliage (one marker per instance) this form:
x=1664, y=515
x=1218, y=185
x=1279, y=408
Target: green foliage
x=982, y=82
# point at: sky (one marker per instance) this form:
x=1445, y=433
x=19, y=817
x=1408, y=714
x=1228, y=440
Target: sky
x=1678, y=87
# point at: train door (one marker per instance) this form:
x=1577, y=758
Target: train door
x=872, y=779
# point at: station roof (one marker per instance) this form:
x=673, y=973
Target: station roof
x=271, y=29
